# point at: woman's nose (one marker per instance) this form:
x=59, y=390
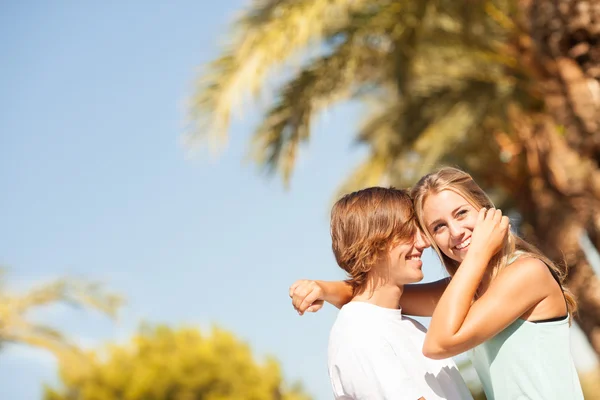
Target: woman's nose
x=455, y=229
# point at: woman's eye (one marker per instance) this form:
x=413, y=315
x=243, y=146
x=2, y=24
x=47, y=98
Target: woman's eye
x=461, y=213
x=437, y=228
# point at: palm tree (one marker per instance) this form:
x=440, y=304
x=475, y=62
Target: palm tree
x=497, y=87
x=565, y=141
x=16, y=327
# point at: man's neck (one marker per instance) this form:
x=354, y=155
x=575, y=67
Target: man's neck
x=387, y=295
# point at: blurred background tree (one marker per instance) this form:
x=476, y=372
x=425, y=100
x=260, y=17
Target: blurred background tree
x=17, y=327
x=508, y=90
x=165, y=364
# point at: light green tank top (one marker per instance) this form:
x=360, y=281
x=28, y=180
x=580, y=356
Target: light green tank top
x=528, y=360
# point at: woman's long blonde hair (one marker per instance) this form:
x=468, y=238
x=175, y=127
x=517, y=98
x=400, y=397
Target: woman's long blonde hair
x=463, y=184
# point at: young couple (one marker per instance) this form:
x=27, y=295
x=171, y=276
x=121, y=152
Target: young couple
x=504, y=300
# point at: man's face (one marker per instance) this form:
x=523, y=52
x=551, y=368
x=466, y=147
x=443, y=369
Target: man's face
x=405, y=259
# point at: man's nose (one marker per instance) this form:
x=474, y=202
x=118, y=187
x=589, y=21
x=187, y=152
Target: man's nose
x=422, y=241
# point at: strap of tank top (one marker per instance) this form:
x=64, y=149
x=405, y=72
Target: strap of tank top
x=515, y=256
x=519, y=253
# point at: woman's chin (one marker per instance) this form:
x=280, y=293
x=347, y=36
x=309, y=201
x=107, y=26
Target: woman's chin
x=457, y=255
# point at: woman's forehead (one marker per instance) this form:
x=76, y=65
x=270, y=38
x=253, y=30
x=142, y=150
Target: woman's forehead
x=445, y=200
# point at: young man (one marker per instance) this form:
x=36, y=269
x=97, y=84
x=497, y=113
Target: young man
x=375, y=351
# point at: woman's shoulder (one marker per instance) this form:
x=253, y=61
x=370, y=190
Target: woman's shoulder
x=527, y=270
x=522, y=283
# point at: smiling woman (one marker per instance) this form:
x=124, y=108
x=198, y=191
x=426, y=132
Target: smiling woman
x=508, y=306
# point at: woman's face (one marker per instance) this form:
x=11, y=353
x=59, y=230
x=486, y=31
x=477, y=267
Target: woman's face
x=450, y=219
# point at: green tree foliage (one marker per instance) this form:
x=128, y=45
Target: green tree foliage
x=160, y=363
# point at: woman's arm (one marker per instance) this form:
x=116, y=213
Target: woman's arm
x=516, y=290
x=309, y=295
x=458, y=323
x=421, y=299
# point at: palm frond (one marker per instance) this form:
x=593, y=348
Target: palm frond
x=15, y=326
x=417, y=137
x=371, y=172
x=432, y=54
x=269, y=35
x=380, y=132
x=325, y=81
x=73, y=292
x=437, y=70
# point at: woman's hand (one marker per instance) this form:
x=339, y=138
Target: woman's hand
x=490, y=232
x=307, y=295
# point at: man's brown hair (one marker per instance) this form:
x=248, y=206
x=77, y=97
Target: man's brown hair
x=365, y=225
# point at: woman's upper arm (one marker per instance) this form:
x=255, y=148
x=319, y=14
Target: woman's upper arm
x=514, y=291
x=421, y=299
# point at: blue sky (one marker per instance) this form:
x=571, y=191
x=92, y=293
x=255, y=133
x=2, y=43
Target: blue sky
x=96, y=184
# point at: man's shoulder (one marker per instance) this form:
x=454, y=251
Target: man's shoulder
x=360, y=325
x=353, y=333
x=354, y=330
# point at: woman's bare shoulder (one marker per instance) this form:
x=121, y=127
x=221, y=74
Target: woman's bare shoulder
x=527, y=272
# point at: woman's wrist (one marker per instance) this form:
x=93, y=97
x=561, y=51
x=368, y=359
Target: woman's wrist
x=479, y=255
x=335, y=292
x=328, y=288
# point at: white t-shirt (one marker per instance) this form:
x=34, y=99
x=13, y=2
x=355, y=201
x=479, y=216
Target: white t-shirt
x=375, y=353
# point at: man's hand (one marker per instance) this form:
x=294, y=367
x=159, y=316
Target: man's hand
x=307, y=295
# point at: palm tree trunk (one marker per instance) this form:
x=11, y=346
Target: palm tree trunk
x=558, y=198
x=566, y=40
x=558, y=172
